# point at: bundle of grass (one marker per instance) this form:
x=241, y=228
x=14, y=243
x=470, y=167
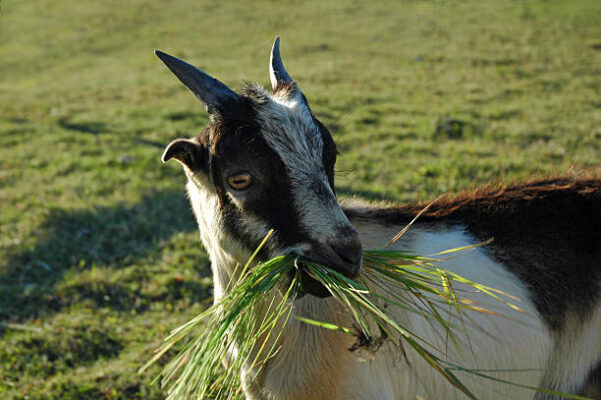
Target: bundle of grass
x=242, y=329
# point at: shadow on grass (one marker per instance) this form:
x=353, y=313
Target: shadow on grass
x=91, y=127
x=114, y=237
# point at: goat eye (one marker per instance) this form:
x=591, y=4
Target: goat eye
x=240, y=181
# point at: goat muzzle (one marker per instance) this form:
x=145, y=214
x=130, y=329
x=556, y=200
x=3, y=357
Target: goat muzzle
x=342, y=254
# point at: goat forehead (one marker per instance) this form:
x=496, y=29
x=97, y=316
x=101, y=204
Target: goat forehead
x=289, y=128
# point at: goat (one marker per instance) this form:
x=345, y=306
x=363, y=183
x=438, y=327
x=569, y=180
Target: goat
x=266, y=162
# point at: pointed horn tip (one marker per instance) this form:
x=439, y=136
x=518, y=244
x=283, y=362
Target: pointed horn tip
x=163, y=56
x=276, y=46
x=168, y=59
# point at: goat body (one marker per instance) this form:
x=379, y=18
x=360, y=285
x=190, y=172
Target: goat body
x=265, y=162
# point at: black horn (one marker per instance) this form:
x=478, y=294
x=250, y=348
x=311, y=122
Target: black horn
x=216, y=96
x=277, y=73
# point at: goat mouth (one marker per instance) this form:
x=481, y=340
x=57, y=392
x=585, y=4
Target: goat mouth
x=310, y=285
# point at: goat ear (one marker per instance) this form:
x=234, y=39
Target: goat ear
x=188, y=152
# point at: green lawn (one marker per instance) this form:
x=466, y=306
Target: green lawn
x=99, y=254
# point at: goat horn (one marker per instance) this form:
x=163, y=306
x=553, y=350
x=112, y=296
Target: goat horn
x=214, y=94
x=277, y=72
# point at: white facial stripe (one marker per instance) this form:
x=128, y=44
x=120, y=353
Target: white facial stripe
x=219, y=243
x=289, y=129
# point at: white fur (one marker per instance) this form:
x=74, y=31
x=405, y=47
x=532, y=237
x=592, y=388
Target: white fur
x=512, y=341
x=225, y=252
x=577, y=352
x=206, y=209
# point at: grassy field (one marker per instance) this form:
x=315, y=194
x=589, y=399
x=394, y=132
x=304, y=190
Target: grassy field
x=99, y=254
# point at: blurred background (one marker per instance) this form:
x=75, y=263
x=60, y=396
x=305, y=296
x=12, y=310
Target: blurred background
x=99, y=252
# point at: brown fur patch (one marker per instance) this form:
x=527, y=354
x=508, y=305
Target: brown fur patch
x=500, y=195
x=285, y=90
